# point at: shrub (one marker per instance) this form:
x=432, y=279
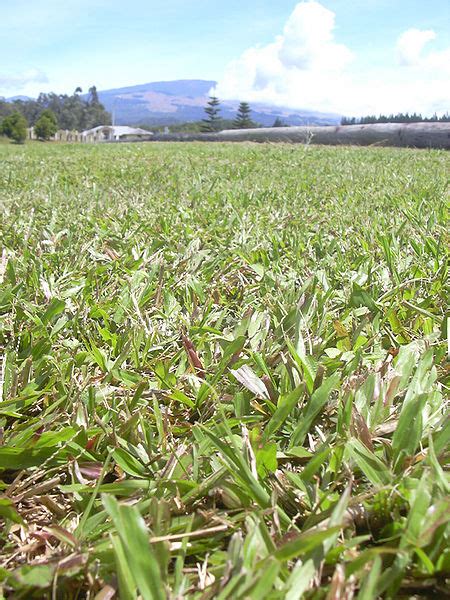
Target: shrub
x=46, y=125
x=15, y=127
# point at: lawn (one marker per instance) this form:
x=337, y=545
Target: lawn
x=223, y=372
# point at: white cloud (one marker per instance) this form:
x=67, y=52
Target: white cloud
x=305, y=67
x=411, y=43
x=307, y=41
x=20, y=80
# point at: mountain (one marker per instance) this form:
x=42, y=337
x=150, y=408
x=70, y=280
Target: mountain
x=171, y=102
x=12, y=98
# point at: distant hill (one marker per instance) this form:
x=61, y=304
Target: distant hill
x=181, y=101
x=171, y=102
x=12, y=98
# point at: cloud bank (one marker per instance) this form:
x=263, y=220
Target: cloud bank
x=410, y=45
x=305, y=67
x=21, y=80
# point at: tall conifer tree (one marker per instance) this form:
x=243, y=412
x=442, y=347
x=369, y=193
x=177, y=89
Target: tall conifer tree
x=243, y=119
x=213, y=120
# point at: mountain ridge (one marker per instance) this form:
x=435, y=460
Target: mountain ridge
x=182, y=100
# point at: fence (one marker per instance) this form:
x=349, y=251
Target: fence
x=62, y=135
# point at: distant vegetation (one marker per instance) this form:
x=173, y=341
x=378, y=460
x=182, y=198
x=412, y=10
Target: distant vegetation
x=196, y=126
x=213, y=121
x=14, y=126
x=398, y=118
x=243, y=118
x=46, y=125
x=71, y=112
x=280, y=123
x=83, y=111
x=187, y=127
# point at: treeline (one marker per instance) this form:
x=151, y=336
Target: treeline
x=398, y=118
x=199, y=126
x=71, y=112
x=185, y=127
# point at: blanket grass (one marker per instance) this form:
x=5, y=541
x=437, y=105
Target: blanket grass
x=224, y=372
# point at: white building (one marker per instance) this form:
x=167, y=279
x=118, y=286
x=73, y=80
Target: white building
x=114, y=133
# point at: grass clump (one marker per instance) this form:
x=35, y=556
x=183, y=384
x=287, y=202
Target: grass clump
x=223, y=372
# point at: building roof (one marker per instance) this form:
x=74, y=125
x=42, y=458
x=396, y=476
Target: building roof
x=125, y=130
x=118, y=130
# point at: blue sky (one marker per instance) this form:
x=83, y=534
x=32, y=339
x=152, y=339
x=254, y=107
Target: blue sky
x=56, y=45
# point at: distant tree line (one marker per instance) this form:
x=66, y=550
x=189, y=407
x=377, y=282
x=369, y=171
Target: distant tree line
x=70, y=112
x=398, y=118
x=185, y=127
x=14, y=126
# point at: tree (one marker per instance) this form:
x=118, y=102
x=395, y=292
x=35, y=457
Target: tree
x=72, y=112
x=213, y=121
x=279, y=123
x=93, y=96
x=95, y=113
x=243, y=119
x=46, y=126
x=6, y=108
x=398, y=118
x=15, y=127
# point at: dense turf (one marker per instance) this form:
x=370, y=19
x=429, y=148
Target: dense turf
x=223, y=372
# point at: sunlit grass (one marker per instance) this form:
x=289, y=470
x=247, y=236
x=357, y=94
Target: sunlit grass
x=224, y=371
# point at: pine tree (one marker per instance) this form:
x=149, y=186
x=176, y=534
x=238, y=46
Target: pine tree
x=279, y=123
x=243, y=119
x=213, y=120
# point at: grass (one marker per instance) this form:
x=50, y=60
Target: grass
x=223, y=372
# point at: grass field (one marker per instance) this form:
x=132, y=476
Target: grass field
x=223, y=372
